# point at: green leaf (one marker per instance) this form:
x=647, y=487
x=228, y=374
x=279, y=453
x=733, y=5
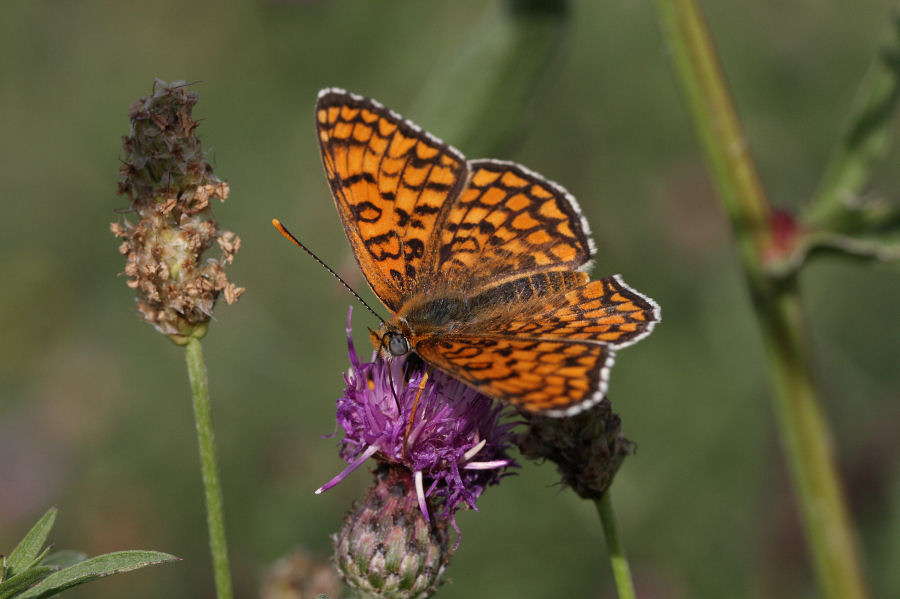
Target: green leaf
x=865, y=139
x=40, y=557
x=96, y=567
x=29, y=548
x=18, y=583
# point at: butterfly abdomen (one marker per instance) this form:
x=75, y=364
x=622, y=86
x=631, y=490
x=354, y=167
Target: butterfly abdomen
x=533, y=286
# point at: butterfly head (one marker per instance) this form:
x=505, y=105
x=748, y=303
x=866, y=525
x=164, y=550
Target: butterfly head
x=391, y=340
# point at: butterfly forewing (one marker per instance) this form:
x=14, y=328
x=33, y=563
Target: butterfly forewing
x=509, y=221
x=393, y=185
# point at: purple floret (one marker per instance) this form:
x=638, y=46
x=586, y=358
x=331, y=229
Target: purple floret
x=456, y=445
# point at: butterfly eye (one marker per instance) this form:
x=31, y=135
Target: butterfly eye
x=398, y=345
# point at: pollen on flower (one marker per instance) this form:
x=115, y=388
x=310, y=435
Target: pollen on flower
x=169, y=184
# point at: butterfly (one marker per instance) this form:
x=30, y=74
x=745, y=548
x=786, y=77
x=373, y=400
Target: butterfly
x=481, y=263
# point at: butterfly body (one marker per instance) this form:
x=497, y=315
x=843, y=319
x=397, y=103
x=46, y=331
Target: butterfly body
x=480, y=262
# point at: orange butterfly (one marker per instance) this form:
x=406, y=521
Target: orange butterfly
x=480, y=262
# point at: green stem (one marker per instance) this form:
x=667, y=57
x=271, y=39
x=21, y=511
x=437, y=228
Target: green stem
x=617, y=559
x=215, y=521
x=802, y=425
x=808, y=442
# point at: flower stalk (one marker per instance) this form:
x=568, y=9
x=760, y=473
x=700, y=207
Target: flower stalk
x=804, y=430
x=215, y=519
x=617, y=559
x=588, y=450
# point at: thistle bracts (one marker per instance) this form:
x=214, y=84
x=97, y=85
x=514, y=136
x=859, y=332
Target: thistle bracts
x=587, y=448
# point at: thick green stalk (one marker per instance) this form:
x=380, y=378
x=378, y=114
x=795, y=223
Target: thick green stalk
x=617, y=559
x=215, y=521
x=802, y=425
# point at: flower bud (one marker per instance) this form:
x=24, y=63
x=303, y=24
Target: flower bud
x=387, y=549
x=587, y=448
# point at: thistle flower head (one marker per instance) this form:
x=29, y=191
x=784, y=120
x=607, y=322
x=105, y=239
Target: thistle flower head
x=587, y=448
x=452, y=440
x=169, y=184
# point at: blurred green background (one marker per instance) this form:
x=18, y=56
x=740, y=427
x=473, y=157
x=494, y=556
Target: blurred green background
x=95, y=414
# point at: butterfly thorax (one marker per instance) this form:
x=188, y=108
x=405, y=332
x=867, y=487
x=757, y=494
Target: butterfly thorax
x=423, y=316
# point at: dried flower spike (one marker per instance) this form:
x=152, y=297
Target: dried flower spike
x=169, y=184
x=587, y=448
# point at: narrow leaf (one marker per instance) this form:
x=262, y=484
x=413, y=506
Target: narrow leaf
x=18, y=583
x=866, y=137
x=29, y=548
x=40, y=557
x=96, y=567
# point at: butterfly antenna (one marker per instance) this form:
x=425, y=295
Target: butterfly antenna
x=281, y=229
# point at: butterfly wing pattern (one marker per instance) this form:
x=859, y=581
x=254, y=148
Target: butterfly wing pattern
x=391, y=183
x=481, y=261
x=554, y=359
x=509, y=221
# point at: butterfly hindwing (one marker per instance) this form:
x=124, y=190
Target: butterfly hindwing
x=393, y=185
x=555, y=378
x=550, y=351
x=603, y=311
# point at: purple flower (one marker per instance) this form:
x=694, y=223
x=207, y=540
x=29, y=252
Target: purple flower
x=455, y=446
